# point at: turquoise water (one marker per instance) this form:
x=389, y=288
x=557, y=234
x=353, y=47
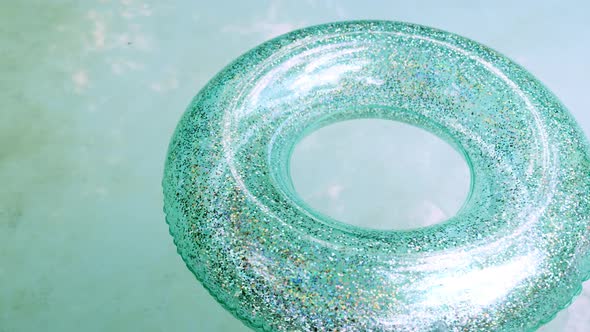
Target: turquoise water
x=91, y=92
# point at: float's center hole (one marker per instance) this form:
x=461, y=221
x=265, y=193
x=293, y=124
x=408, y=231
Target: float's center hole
x=380, y=174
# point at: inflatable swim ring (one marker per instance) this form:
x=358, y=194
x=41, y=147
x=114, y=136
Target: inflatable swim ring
x=509, y=260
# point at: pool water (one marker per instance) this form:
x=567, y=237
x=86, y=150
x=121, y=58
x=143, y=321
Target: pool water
x=91, y=92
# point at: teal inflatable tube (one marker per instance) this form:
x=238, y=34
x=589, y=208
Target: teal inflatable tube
x=513, y=256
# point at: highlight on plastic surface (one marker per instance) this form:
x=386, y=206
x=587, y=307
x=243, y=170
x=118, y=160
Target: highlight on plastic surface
x=509, y=260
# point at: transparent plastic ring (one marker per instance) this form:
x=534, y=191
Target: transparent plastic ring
x=513, y=256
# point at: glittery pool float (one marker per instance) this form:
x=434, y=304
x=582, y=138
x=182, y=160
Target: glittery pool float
x=513, y=256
